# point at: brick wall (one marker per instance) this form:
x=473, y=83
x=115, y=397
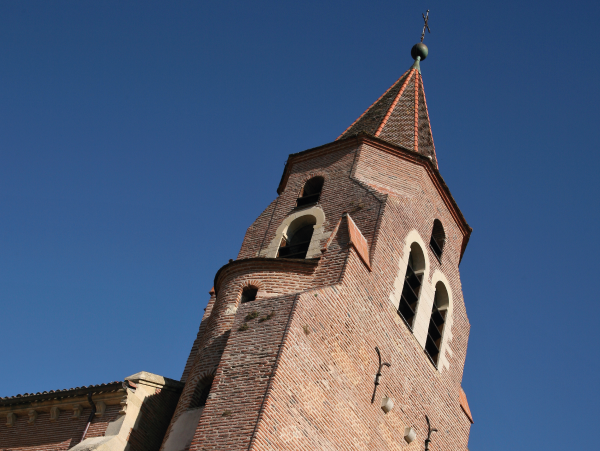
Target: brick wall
x=45, y=434
x=243, y=377
x=194, y=350
x=154, y=417
x=304, y=378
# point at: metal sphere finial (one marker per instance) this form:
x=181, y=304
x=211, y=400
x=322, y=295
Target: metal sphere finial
x=419, y=51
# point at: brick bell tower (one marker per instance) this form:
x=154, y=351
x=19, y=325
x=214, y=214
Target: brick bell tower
x=341, y=325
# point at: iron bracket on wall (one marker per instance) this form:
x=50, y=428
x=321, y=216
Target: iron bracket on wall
x=430, y=431
x=378, y=375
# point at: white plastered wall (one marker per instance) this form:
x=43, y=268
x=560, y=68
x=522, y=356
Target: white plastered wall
x=314, y=250
x=425, y=303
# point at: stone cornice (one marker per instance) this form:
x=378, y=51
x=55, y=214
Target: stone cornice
x=154, y=380
x=63, y=403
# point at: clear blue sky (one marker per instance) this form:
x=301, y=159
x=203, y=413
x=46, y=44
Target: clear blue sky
x=139, y=140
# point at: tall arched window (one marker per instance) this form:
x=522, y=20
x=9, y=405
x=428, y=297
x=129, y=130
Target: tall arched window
x=311, y=192
x=296, y=242
x=437, y=321
x=438, y=239
x=412, y=285
x=201, y=392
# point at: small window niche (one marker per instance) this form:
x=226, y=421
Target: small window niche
x=201, y=392
x=249, y=294
x=437, y=322
x=411, y=290
x=438, y=239
x=311, y=192
x=297, y=241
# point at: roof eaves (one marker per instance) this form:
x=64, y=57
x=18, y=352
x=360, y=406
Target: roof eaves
x=59, y=394
x=292, y=263
x=437, y=177
x=337, y=144
x=427, y=162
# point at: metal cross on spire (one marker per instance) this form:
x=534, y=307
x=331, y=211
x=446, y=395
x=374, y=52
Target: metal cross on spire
x=426, y=26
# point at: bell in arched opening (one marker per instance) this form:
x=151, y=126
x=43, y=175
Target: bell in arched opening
x=297, y=241
x=311, y=192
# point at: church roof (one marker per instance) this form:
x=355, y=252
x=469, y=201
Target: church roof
x=399, y=116
x=58, y=394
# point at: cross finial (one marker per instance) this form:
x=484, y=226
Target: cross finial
x=426, y=26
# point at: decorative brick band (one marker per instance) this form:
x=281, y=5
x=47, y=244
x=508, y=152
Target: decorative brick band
x=264, y=264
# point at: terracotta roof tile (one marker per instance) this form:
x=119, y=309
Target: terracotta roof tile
x=359, y=242
x=399, y=116
x=64, y=393
x=465, y=405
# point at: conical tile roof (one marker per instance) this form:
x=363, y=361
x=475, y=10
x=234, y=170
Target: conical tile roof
x=399, y=116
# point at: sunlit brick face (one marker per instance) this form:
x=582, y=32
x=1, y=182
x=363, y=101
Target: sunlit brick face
x=350, y=256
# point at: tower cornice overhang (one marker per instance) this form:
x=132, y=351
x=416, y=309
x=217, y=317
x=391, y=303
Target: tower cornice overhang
x=398, y=151
x=282, y=265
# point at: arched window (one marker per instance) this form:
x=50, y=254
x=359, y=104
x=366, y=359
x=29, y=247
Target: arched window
x=438, y=239
x=295, y=243
x=437, y=321
x=249, y=294
x=311, y=192
x=201, y=392
x=412, y=285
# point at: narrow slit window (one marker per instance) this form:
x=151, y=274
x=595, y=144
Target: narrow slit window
x=437, y=322
x=311, y=192
x=296, y=244
x=201, y=392
x=438, y=239
x=411, y=290
x=249, y=294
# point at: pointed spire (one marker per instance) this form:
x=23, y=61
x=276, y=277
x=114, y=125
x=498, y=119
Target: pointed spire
x=400, y=115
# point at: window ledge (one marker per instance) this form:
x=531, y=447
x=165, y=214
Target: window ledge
x=302, y=207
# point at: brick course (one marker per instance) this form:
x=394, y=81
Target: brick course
x=303, y=379
x=46, y=434
x=135, y=418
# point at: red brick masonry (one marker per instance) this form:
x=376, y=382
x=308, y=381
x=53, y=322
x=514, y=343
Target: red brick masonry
x=298, y=373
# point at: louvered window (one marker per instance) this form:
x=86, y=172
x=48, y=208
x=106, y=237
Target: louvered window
x=437, y=322
x=410, y=292
x=311, y=192
x=438, y=239
x=297, y=245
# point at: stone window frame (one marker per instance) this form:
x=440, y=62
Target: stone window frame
x=445, y=308
x=314, y=249
x=419, y=266
x=426, y=297
x=439, y=277
x=412, y=238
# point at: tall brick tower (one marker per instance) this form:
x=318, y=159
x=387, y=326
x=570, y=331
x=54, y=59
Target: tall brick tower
x=341, y=325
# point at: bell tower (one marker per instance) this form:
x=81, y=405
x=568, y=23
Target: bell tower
x=341, y=325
